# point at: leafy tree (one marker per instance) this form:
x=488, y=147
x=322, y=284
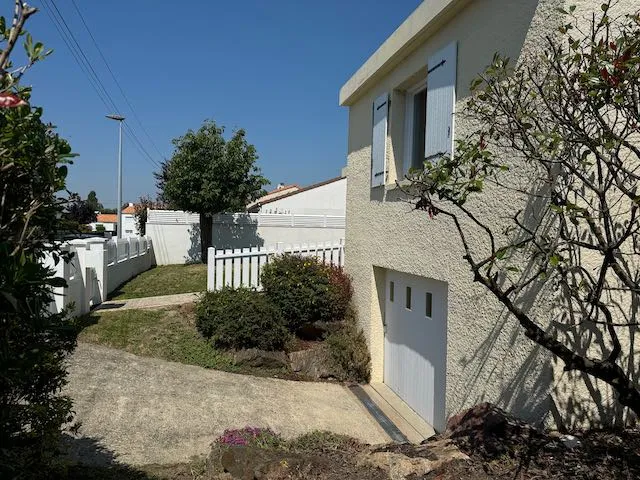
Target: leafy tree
x=79, y=212
x=568, y=121
x=33, y=341
x=108, y=210
x=145, y=203
x=93, y=202
x=208, y=174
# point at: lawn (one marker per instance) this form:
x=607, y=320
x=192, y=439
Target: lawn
x=169, y=334
x=164, y=280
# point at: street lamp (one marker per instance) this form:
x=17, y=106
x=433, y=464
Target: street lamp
x=120, y=119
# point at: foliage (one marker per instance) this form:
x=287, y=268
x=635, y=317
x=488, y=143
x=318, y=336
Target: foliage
x=348, y=351
x=240, y=318
x=569, y=119
x=250, y=437
x=100, y=228
x=78, y=212
x=33, y=341
x=93, y=203
x=306, y=290
x=209, y=174
x=144, y=204
x=109, y=210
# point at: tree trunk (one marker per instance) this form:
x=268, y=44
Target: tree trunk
x=206, y=235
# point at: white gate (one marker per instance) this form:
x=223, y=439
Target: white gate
x=241, y=267
x=415, y=346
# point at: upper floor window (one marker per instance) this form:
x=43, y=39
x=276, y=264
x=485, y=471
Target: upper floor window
x=415, y=126
x=428, y=119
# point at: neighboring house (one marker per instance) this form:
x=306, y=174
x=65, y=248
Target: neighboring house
x=110, y=222
x=280, y=190
x=129, y=226
x=323, y=198
x=309, y=215
x=439, y=341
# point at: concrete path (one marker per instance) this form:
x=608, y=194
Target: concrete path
x=148, y=302
x=147, y=410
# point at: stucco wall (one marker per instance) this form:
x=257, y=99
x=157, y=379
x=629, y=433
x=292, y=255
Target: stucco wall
x=328, y=199
x=488, y=357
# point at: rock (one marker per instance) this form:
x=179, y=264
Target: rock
x=312, y=363
x=424, y=459
x=318, y=330
x=489, y=428
x=253, y=357
x=250, y=463
x=445, y=451
x=570, y=442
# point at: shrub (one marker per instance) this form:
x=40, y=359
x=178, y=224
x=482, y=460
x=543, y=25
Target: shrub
x=306, y=290
x=34, y=341
x=240, y=318
x=348, y=352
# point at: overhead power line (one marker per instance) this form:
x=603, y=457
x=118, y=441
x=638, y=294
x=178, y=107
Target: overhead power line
x=89, y=71
x=106, y=63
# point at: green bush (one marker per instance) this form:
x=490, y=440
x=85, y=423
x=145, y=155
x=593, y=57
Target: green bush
x=306, y=290
x=348, y=352
x=241, y=318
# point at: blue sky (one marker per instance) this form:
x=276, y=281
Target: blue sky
x=271, y=67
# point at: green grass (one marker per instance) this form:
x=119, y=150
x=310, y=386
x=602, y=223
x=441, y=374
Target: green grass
x=169, y=334
x=164, y=280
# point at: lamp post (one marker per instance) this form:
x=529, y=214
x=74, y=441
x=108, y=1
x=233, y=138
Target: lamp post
x=120, y=119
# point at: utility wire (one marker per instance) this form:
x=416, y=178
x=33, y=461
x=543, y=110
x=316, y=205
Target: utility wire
x=127, y=127
x=87, y=68
x=106, y=63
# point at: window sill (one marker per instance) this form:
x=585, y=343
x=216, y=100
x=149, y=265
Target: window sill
x=397, y=185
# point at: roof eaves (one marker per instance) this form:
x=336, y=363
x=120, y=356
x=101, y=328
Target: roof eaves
x=427, y=18
x=303, y=189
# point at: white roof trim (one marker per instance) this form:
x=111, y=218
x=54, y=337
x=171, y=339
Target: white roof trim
x=424, y=20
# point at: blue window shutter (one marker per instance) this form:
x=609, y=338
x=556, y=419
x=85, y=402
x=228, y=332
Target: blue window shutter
x=379, y=140
x=441, y=98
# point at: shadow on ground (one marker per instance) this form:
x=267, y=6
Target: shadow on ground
x=87, y=459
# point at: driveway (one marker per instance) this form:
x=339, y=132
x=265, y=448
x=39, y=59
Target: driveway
x=146, y=410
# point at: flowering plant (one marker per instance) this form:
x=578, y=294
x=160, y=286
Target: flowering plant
x=249, y=436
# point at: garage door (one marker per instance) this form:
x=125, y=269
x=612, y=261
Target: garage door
x=416, y=343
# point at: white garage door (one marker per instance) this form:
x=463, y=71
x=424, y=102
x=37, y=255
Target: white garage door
x=416, y=343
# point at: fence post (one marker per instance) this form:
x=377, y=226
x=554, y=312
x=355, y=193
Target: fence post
x=96, y=258
x=211, y=269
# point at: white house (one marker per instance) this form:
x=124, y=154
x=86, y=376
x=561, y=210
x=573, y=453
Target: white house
x=323, y=198
x=109, y=221
x=439, y=341
x=288, y=215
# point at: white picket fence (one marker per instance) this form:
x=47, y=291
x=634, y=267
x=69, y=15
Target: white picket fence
x=241, y=267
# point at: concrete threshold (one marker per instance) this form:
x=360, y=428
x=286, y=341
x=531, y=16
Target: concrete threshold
x=412, y=426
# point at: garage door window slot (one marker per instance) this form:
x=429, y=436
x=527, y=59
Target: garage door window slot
x=408, y=303
x=428, y=304
x=391, y=291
